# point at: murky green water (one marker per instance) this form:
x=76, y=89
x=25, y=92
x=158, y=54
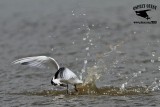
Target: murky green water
x=119, y=60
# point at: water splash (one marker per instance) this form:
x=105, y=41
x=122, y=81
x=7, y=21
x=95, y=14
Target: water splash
x=92, y=75
x=154, y=86
x=124, y=85
x=83, y=69
x=90, y=89
x=89, y=86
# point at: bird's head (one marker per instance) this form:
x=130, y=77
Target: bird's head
x=55, y=82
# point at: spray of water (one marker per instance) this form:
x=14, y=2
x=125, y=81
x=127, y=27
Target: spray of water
x=123, y=86
x=83, y=69
x=92, y=75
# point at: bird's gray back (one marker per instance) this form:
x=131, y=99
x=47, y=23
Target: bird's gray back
x=65, y=73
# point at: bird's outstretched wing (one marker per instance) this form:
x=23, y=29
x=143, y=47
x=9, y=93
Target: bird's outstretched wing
x=38, y=61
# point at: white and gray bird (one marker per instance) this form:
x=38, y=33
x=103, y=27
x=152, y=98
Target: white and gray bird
x=62, y=77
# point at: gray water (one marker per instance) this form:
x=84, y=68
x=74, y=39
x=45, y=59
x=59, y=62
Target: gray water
x=123, y=60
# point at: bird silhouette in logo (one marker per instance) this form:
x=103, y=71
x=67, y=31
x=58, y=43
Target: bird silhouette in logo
x=143, y=13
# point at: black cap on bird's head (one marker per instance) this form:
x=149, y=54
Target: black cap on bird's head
x=54, y=80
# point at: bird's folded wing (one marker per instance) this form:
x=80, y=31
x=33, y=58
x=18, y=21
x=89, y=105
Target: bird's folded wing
x=38, y=61
x=68, y=74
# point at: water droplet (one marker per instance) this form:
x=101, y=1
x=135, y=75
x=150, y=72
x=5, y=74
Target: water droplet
x=84, y=38
x=87, y=48
x=52, y=49
x=134, y=32
x=135, y=74
x=158, y=67
x=152, y=60
x=107, y=27
x=139, y=72
x=91, y=44
x=85, y=61
x=123, y=85
x=88, y=28
x=153, y=53
x=90, y=40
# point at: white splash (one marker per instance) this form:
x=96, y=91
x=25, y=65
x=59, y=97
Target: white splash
x=83, y=69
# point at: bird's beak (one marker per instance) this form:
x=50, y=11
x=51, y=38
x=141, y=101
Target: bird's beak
x=63, y=85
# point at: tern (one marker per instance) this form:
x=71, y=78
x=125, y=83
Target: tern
x=62, y=77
